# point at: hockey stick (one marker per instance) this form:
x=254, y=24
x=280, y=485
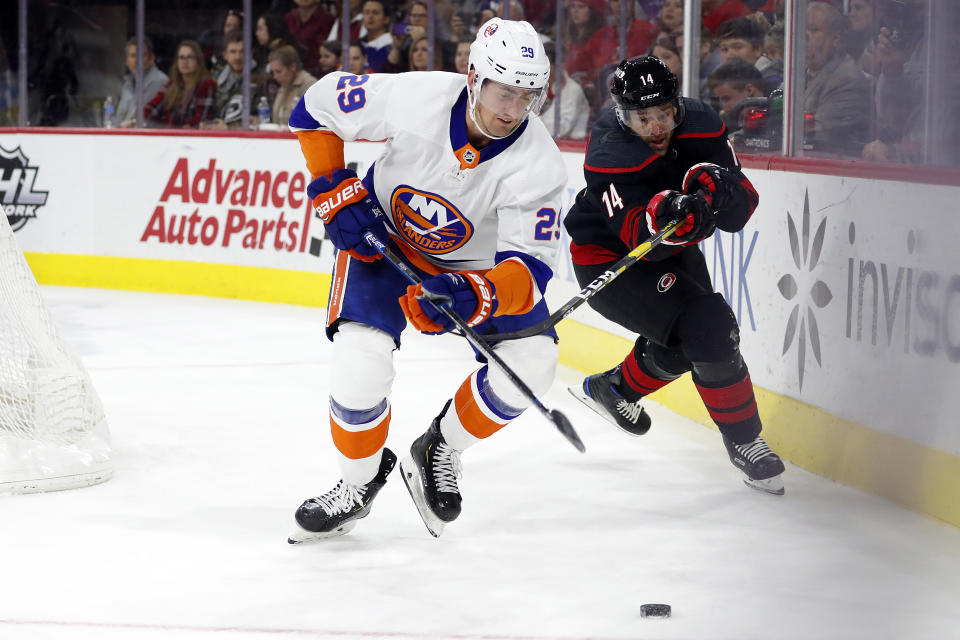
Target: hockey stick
x=442, y=303
x=591, y=289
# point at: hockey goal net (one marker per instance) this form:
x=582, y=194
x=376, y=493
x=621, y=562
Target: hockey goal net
x=53, y=433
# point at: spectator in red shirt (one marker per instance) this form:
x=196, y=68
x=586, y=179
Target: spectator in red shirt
x=584, y=19
x=309, y=24
x=539, y=13
x=716, y=12
x=604, y=45
x=190, y=95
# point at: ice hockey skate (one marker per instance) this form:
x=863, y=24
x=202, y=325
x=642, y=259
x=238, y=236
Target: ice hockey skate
x=430, y=473
x=600, y=394
x=336, y=512
x=762, y=468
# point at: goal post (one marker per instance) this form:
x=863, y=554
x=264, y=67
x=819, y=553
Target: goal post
x=53, y=431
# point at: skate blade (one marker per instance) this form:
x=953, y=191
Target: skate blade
x=772, y=485
x=411, y=477
x=579, y=394
x=299, y=535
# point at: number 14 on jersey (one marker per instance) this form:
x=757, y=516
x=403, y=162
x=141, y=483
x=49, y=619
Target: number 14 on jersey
x=612, y=200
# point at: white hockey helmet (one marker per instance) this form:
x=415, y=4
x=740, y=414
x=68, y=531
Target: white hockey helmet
x=510, y=54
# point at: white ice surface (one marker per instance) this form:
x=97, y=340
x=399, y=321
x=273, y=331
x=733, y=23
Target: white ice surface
x=218, y=413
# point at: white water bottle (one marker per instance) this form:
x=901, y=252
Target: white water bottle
x=263, y=110
x=108, y=111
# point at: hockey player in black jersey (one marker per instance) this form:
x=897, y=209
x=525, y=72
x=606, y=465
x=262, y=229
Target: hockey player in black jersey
x=653, y=159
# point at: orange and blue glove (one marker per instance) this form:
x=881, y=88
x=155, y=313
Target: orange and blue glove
x=469, y=294
x=347, y=211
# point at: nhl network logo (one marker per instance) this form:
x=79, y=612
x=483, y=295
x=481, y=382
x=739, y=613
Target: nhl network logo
x=18, y=199
x=806, y=256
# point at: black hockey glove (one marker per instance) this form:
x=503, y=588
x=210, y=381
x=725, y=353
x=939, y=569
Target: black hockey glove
x=728, y=192
x=667, y=206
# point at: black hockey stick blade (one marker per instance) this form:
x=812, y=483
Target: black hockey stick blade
x=565, y=427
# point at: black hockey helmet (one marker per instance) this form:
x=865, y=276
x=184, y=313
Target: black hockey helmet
x=642, y=82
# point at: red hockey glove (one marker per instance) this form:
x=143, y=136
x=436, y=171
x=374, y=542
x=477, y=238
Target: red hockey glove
x=667, y=206
x=347, y=211
x=468, y=293
x=729, y=193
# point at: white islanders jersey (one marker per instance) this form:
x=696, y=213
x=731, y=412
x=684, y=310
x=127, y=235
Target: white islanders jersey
x=457, y=207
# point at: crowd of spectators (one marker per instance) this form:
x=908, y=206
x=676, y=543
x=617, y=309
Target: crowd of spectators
x=865, y=93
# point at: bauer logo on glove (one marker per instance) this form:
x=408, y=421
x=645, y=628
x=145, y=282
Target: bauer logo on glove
x=347, y=211
x=350, y=191
x=482, y=287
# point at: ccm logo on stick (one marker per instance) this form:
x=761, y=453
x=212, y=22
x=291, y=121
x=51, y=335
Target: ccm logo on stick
x=666, y=281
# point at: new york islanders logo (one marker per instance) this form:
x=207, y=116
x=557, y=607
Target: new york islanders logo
x=490, y=30
x=429, y=222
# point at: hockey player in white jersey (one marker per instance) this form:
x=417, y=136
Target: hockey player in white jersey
x=468, y=189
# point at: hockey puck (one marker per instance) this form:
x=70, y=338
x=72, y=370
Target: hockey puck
x=655, y=611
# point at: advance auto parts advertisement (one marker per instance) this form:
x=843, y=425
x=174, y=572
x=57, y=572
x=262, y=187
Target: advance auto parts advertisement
x=218, y=200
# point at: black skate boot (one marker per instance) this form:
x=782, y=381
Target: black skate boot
x=336, y=512
x=761, y=466
x=599, y=392
x=431, y=473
